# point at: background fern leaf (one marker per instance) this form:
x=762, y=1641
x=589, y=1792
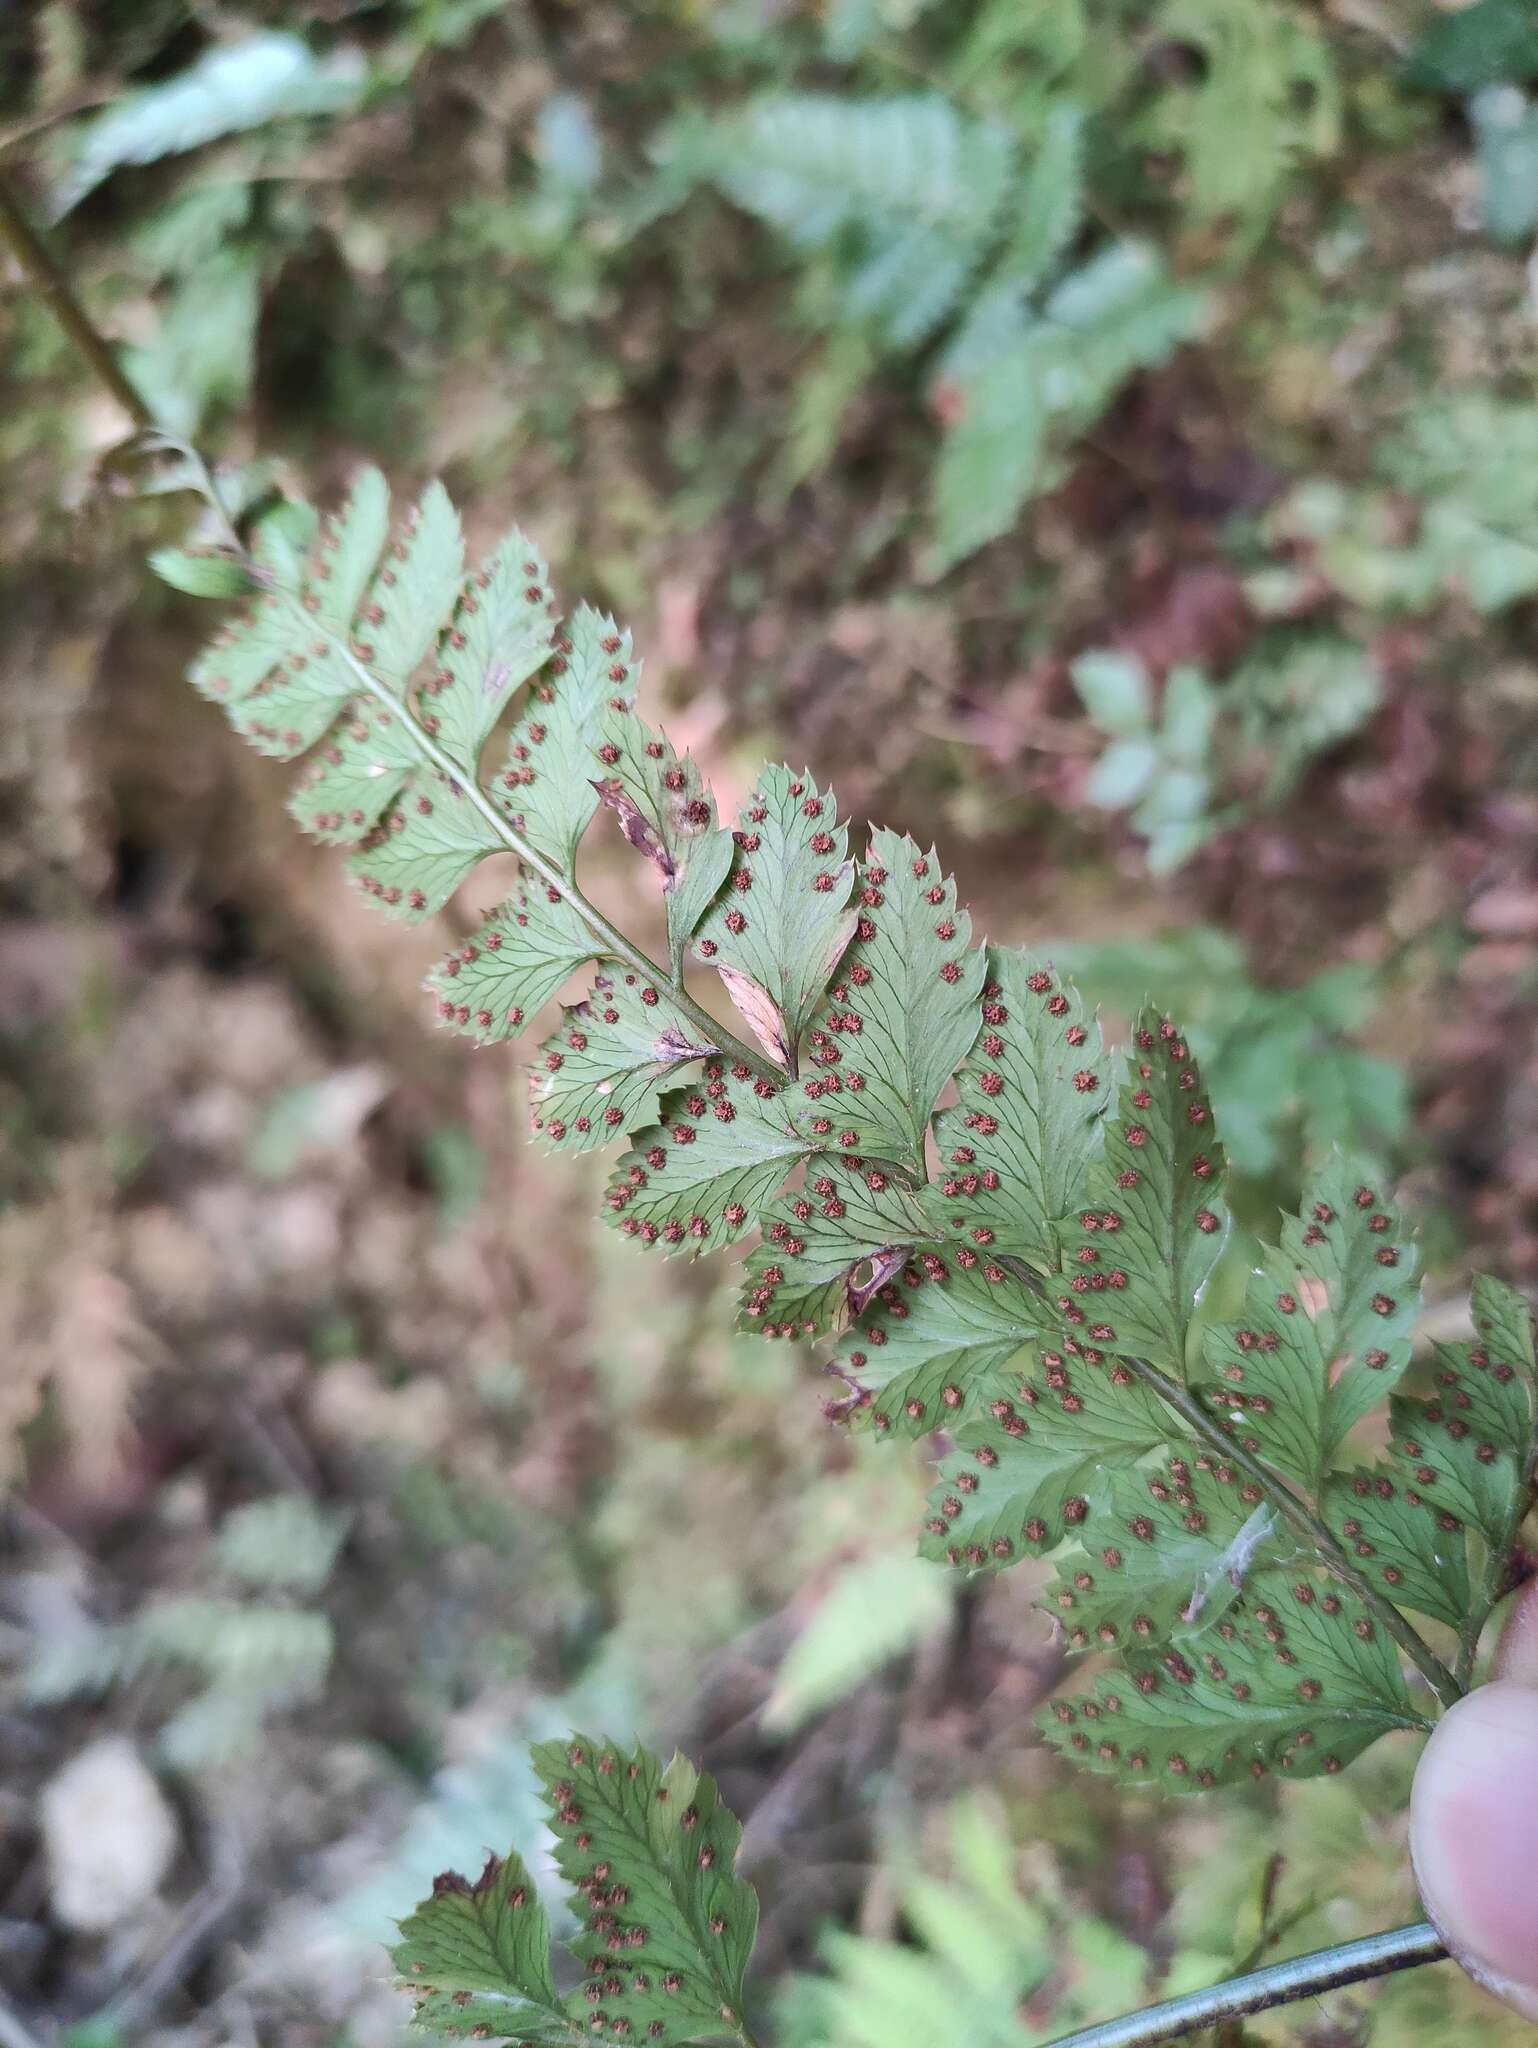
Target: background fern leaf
x=1051, y=203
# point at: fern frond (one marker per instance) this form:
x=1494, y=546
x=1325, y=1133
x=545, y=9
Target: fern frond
x=1030, y=1282
x=268, y=76
x=828, y=1250
x=547, y=787
x=476, y=1958
x=650, y=1851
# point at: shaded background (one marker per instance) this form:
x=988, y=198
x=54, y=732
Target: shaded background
x=1100, y=436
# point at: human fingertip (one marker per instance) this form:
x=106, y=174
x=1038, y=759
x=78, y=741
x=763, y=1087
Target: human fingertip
x=1473, y=1823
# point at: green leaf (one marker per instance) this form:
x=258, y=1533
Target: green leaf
x=351, y=543
x=698, y=1178
x=1141, y=1249
x=1495, y=1383
x=1506, y=133
x=784, y=919
x=281, y=1541
x=476, y=1957
x=1463, y=1462
x=420, y=851
x=1015, y=1149
x=282, y=682
x=903, y=1012
x=1364, y=1261
x=1051, y=199
x=1189, y=714
x=547, y=786
x=414, y=591
x=1327, y=1326
x=876, y=1609
x=1118, y=312
x=992, y=456
x=1039, y=1468
x=1466, y=1479
x=501, y=633
x=1394, y=1535
x=1296, y=1678
x=907, y=186
x=670, y=1925
x=1115, y=691
x=614, y=1051
x=1270, y=1377
x=1492, y=42
x=1171, y=1550
x=1122, y=774
x=203, y=352
x=268, y=76
x=342, y=793
x=667, y=814
x=491, y=985
x=201, y=575
x=935, y=1344
x=823, y=1250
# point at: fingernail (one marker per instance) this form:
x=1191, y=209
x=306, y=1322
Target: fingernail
x=1473, y=1827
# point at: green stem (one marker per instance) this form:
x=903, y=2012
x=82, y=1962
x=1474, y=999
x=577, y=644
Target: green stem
x=56, y=292
x=1316, y=1532
x=1327, y=1969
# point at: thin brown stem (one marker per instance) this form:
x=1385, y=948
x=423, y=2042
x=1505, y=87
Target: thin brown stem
x=58, y=294
x=1314, y=1530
